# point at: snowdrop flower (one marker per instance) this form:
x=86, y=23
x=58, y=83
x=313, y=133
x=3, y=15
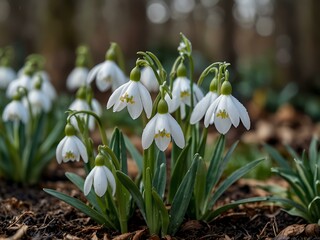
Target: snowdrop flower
x=100, y=176
x=161, y=128
x=38, y=100
x=23, y=81
x=15, y=111
x=226, y=110
x=81, y=104
x=149, y=79
x=7, y=75
x=202, y=106
x=70, y=148
x=46, y=86
x=132, y=95
x=107, y=74
x=77, y=78
x=181, y=93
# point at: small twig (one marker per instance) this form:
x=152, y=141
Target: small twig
x=19, y=234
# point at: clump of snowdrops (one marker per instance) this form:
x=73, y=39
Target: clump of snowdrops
x=302, y=173
x=173, y=137
x=31, y=126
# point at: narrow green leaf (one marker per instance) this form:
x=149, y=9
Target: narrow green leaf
x=212, y=214
x=182, y=198
x=231, y=179
x=179, y=171
x=214, y=166
x=159, y=178
x=134, y=191
x=79, y=182
x=200, y=188
x=313, y=153
x=314, y=209
x=163, y=213
x=96, y=216
x=277, y=157
x=137, y=157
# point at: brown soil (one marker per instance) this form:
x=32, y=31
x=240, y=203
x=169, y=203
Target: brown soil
x=30, y=213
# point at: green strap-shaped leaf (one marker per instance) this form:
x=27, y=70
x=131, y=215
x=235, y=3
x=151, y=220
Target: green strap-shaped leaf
x=314, y=209
x=134, y=191
x=213, y=170
x=137, y=157
x=200, y=188
x=79, y=182
x=212, y=214
x=179, y=171
x=313, y=154
x=277, y=157
x=182, y=198
x=163, y=213
x=231, y=179
x=96, y=216
x=159, y=178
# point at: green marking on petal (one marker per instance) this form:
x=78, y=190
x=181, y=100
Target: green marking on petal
x=127, y=98
x=223, y=114
x=162, y=134
x=184, y=94
x=69, y=155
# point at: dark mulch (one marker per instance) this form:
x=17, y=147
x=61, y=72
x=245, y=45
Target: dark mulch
x=30, y=213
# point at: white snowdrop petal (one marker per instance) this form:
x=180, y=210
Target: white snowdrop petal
x=146, y=100
x=201, y=107
x=88, y=182
x=149, y=132
x=176, y=132
x=162, y=142
x=232, y=111
x=81, y=148
x=209, y=116
x=70, y=147
x=135, y=108
x=77, y=78
x=222, y=125
x=96, y=107
x=243, y=113
x=93, y=73
x=59, y=150
x=115, y=96
x=100, y=182
x=111, y=179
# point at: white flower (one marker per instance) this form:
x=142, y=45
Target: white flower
x=7, y=75
x=161, y=128
x=77, y=78
x=39, y=101
x=71, y=148
x=224, y=111
x=15, y=111
x=23, y=81
x=202, y=107
x=46, y=86
x=132, y=95
x=181, y=95
x=79, y=104
x=108, y=75
x=149, y=79
x=100, y=177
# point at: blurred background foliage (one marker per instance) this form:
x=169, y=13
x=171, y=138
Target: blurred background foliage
x=273, y=45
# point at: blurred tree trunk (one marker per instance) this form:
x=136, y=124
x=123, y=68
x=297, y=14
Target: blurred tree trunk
x=59, y=39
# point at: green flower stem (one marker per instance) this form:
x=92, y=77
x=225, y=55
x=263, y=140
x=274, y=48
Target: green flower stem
x=119, y=56
x=114, y=158
x=103, y=135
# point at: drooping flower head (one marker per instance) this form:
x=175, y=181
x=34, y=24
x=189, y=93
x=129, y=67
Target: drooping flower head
x=181, y=92
x=78, y=76
x=70, y=148
x=15, y=111
x=38, y=100
x=23, y=81
x=132, y=95
x=226, y=110
x=149, y=80
x=100, y=176
x=161, y=128
x=202, y=106
x=107, y=74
